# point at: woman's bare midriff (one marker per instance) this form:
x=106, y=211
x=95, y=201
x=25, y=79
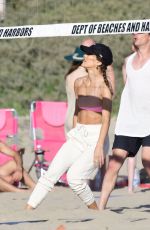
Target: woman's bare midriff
x=89, y=117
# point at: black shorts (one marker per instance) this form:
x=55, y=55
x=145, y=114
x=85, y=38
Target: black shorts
x=130, y=144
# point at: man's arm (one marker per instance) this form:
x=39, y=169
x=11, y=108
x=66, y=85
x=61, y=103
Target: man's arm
x=124, y=74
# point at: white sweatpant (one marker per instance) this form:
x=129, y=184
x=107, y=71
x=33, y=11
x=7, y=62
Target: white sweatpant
x=76, y=156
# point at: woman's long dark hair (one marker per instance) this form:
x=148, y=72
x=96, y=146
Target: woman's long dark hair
x=74, y=66
x=103, y=69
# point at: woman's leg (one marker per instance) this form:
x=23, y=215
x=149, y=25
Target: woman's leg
x=6, y=178
x=6, y=187
x=8, y=168
x=78, y=175
x=62, y=161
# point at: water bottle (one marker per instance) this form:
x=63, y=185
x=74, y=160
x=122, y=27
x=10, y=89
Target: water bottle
x=136, y=179
x=39, y=154
x=39, y=160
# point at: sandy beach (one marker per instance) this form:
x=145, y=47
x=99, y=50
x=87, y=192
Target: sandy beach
x=61, y=207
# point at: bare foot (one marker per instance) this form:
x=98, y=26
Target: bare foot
x=130, y=191
x=29, y=207
x=61, y=227
x=93, y=206
x=101, y=209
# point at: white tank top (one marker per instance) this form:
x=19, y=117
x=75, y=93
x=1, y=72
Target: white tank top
x=134, y=112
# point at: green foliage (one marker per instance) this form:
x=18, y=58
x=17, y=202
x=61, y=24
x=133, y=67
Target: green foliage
x=32, y=69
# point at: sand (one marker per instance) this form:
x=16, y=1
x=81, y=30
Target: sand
x=63, y=209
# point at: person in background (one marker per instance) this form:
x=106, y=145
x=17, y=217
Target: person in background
x=77, y=71
x=12, y=171
x=132, y=129
x=84, y=149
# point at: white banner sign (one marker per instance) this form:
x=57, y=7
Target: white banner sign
x=76, y=29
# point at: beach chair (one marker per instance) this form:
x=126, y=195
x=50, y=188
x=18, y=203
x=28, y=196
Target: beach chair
x=47, y=124
x=8, y=130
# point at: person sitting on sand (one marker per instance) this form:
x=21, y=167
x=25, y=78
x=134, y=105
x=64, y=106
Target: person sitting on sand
x=12, y=171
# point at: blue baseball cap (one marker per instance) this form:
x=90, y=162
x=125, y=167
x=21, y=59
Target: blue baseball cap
x=76, y=56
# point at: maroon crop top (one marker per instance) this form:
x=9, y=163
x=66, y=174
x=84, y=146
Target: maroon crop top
x=87, y=102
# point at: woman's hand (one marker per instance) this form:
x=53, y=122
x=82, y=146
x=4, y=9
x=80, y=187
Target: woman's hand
x=99, y=156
